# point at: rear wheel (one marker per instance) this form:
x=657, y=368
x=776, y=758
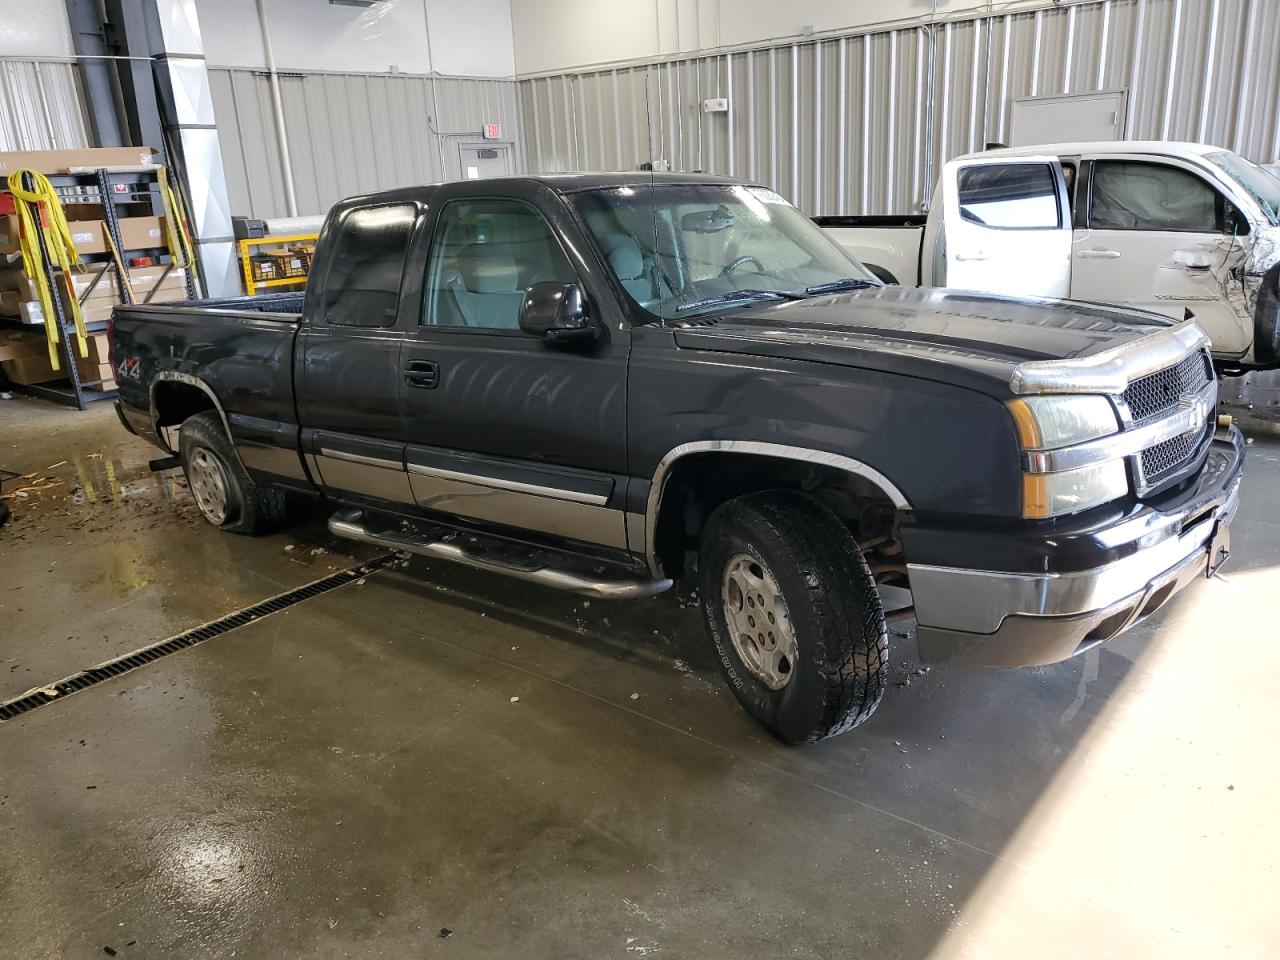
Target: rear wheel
x=794, y=614
x=224, y=493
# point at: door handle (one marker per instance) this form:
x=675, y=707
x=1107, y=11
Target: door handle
x=423, y=374
x=972, y=257
x=1099, y=254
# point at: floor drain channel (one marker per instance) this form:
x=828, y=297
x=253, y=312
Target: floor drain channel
x=140, y=658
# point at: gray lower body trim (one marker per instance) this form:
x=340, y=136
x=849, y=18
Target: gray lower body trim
x=497, y=483
x=366, y=476
x=514, y=505
x=277, y=461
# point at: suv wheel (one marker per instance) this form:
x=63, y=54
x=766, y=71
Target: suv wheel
x=225, y=494
x=794, y=614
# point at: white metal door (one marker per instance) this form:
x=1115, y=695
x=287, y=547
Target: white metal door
x=1154, y=240
x=1008, y=226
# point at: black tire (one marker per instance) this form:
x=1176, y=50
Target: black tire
x=836, y=618
x=248, y=507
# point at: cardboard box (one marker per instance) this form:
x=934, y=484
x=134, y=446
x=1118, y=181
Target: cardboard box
x=89, y=236
x=60, y=161
x=16, y=286
x=10, y=233
x=29, y=370
x=18, y=346
x=37, y=369
x=141, y=233
x=11, y=302
x=94, y=311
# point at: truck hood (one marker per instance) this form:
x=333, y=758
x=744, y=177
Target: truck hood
x=950, y=335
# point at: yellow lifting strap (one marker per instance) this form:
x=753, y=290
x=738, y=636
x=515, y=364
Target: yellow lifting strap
x=176, y=237
x=59, y=250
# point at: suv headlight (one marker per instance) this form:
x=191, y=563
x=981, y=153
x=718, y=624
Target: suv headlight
x=1053, y=422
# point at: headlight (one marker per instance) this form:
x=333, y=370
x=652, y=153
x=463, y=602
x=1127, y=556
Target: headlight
x=1070, y=491
x=1047, y=423
x=1050, y=423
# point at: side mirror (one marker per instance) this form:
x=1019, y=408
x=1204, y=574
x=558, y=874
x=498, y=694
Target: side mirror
x=557, y=312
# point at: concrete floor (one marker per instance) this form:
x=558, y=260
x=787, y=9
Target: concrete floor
x=350, y=778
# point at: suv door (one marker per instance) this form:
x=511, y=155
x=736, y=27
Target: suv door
x=500, y=425
x=1156, y=235
x=1007, y=227
x=348, y=373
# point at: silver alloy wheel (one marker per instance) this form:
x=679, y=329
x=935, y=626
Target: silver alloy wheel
x=208, y=485
x=758, y=621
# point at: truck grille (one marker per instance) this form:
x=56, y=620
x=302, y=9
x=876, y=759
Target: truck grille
x=1165, y=459
x=1157, y=394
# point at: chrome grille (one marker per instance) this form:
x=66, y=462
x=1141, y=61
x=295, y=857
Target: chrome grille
x=1157, y=394
x=1165, y=459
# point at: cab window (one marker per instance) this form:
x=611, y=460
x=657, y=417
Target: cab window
x=1127, y=195
x=1013, y=196
x=485, y=254
x=362, y=285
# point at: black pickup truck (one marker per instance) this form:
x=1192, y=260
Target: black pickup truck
x=603, y=383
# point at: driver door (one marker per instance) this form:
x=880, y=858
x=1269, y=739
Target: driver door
x=1007, y=226
x=500, y=425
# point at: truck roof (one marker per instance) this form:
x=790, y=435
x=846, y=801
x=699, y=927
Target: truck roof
x=560, y=182
x=1165, y=148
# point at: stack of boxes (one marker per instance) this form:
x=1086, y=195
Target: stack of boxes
x=24, y=357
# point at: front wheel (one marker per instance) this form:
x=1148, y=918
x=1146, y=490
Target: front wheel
x=225, y=494
x=794, y=614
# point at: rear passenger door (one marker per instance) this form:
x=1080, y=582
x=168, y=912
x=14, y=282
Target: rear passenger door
x=1156, y=235
x=348, y=359
x=1007, y=226
x=499, y=425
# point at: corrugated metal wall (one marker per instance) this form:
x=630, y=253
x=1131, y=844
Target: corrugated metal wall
x=40, y=106
x=858, y=124
x=349, y=133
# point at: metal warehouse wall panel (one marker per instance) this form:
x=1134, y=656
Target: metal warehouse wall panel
x=350, y=133
x=40, y=106
x=860, y=124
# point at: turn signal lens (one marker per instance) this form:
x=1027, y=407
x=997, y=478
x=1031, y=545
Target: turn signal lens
x=1070, y=491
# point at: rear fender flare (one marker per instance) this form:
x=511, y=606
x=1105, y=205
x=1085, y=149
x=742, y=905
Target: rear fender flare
x=177, y=376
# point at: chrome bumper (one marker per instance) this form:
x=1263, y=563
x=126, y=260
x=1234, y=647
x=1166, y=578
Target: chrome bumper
x=1022, y=619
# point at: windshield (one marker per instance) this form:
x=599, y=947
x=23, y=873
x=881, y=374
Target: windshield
x=684, y=250
x=1262, y=186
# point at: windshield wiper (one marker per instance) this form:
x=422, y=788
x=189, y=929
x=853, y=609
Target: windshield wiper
x=833, y=286
x=739, y=296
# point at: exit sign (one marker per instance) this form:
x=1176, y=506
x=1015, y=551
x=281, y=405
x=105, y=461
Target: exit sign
x=493, y=131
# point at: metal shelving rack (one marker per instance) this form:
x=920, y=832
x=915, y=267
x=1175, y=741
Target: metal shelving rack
x=137, y=191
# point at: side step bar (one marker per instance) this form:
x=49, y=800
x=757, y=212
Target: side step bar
x=350, y=525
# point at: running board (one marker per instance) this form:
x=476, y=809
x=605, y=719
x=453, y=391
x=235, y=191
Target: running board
x=350, y=524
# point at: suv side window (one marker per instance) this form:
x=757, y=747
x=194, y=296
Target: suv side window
x=1127, y=195
x=484, y=255
x=362, y=285
x=1015, y=196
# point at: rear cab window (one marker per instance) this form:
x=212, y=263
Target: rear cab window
x=1013, y=196
x=362, y=283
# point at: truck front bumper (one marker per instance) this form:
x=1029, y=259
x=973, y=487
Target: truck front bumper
x=1022, y=618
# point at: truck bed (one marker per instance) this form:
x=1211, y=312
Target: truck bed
x=241, y=347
